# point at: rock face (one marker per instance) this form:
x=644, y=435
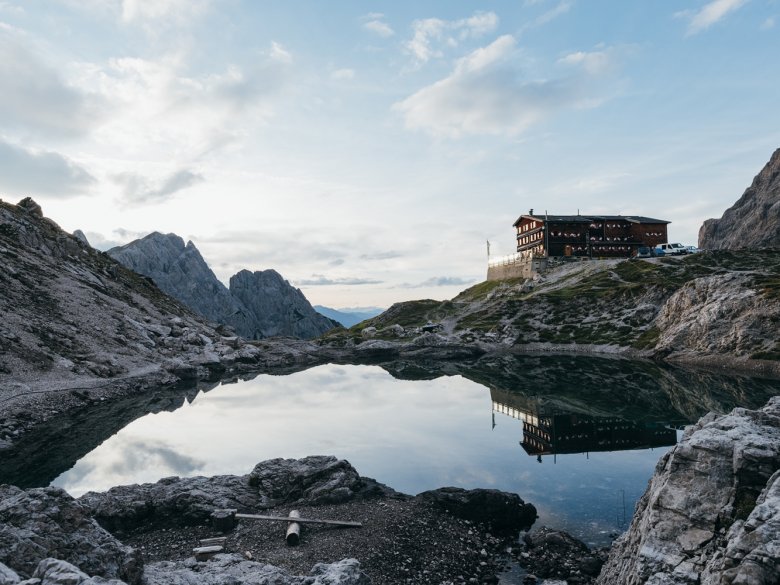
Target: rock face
x=754, y=220
x=274, y=307
x=180, y=271
x=711, y=514
x=46, y=523
x=258, y=305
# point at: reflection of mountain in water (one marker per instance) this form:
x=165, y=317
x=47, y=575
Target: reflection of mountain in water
x=550, y=433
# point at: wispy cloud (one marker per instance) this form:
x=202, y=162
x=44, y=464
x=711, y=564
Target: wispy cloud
x=709, y=14
x=769, y=23
x=29, y=172
x=379, y=27
x=431, y=35
x=441, y=281
x=488, y=93
x=321, y=280
x=139, y=189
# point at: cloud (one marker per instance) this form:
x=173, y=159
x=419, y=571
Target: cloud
x=320, y=280
x=41, y=172
x=559, y=10
x=710, y=13
x=158, y=109
x=431, y=34
x=342, y=74
x=161, y=10
x=769, y=23
x=382, y=255
x=487, y=94
x=379, y=27
x=139, y=189
x=34, y=98
x=441, y=281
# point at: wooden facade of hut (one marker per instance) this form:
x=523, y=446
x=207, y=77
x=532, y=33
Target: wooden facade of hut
x=591, y=236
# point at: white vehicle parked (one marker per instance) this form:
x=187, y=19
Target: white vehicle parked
x=672, y=249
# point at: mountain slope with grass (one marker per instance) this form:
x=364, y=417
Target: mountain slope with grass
x=710, y=307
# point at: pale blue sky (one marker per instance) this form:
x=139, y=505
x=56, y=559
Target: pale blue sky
x=366, y=150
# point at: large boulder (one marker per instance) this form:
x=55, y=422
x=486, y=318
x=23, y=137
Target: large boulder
x=711, y=514
x=501, y=511
x=235, y=570
x=176, y=501
x=42, y=523
x=754, y=220
x=314, y=480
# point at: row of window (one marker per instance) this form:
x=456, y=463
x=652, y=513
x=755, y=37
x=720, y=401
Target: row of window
x=528, y=226
x=526, y=239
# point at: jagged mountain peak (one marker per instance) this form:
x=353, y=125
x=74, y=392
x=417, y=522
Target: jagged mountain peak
x=257, y=304
x=754, y=220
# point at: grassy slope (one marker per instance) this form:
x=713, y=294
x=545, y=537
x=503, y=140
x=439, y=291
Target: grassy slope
x=591, y=303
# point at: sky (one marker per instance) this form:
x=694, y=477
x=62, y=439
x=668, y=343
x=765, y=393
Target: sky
x=367, y=151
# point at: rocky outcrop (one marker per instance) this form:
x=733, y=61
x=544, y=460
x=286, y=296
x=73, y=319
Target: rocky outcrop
x=724, y=314
x=754, y=220
x=236, y=570
x=274, y=307
x=177, y=501
x=257, y=305
x=711, y=513
x=500, y=510
x=44, y=523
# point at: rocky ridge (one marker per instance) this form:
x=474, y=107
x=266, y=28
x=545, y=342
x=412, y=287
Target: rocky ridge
x=711, y=514
x=257, y=305
x=754, y=220
x=715, y=307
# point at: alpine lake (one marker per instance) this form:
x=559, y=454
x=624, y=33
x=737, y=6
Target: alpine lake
x=578, y=437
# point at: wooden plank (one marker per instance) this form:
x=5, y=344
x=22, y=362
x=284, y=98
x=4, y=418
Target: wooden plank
x=293, y=535
x=217, y=540
x=204, y=553
x=300, y=520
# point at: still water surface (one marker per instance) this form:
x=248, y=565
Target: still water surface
x=579, y=438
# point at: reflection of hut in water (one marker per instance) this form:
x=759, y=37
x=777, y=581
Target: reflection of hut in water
x=549, y=433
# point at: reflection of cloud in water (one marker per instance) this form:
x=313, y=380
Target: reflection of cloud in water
x=140, y=454
x=126, y=459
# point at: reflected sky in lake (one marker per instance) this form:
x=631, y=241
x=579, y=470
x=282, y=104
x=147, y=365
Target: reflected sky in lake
x=411, y=435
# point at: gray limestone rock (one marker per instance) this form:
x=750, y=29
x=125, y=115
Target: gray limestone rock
x=81, y=237
x=42, y=523
x=257, y=305
x=754, y=220
x=711, y=514
x=236, y=570
x=8, y=576
x=180, y=271
x=277, y=307
x=191, y=500
x=315, y=480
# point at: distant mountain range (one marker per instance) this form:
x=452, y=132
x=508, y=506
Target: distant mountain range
x=256, y=305
x=348, y=316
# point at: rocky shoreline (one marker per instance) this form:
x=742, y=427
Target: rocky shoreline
x=146, y=533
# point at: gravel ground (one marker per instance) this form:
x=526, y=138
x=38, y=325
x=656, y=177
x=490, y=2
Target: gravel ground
x=401, y=541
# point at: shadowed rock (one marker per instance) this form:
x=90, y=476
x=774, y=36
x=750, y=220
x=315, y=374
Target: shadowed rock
x=46, y=523
x=754, y=220
x=500, y=510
